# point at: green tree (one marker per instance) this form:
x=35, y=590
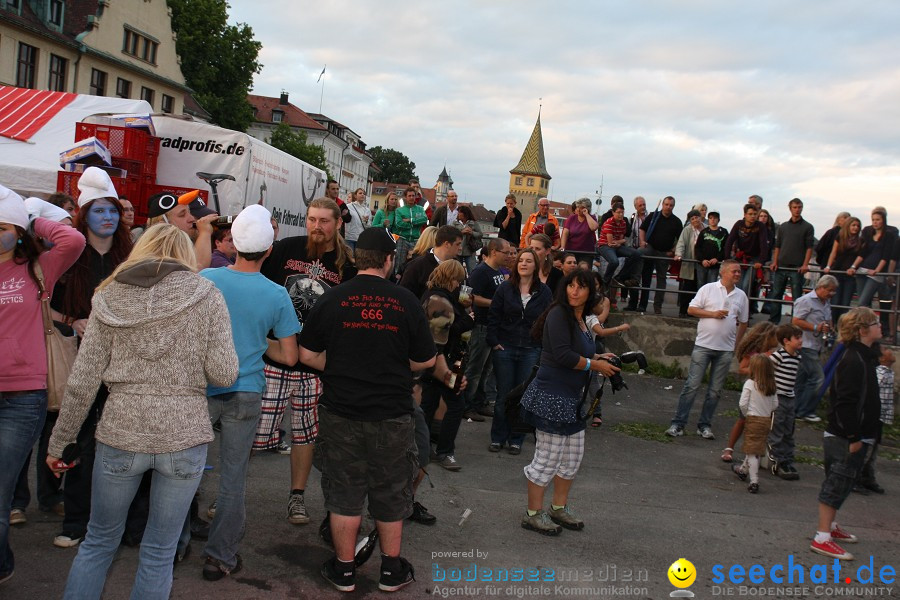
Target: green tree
x=395, y=166
x=295, y=144
x=218, y=60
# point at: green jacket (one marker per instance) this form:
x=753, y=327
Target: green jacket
x=393, y=220
x=410, y=220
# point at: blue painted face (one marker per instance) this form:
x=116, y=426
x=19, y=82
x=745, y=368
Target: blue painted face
x=102, y=218
x=8, y=240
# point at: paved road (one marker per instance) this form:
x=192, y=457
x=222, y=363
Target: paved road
x=645, y=504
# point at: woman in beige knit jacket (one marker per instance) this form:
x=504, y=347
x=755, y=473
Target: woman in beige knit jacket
x=157, y=335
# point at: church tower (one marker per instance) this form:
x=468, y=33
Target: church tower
x=529, y=180
x=443, y=186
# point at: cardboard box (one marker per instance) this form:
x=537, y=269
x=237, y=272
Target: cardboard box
x=89, y=151
x=80, y=167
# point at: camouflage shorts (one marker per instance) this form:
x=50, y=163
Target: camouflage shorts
x=367, y=459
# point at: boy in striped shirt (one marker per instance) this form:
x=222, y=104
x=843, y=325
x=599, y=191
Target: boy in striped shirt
x=781, y=437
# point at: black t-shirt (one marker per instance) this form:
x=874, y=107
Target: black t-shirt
x=100, y=266
x=305, y=279
x=484, y=281
x=711, y=244
x=370, y=329
x=416, y=274
x=665, y=231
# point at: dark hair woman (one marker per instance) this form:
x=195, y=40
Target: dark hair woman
x=23, y=361
x=552, y=403
x=516, y=305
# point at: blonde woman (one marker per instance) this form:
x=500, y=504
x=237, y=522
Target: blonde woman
x=172, y=337
x=387, y=217
x=852, y=417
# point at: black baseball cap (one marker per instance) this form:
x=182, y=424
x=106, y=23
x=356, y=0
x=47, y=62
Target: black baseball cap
x=376, y=238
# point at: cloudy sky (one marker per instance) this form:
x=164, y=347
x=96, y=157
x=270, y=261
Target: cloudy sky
x=708, y=101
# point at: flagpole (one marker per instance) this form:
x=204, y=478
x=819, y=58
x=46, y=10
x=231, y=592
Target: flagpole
x=322, y=95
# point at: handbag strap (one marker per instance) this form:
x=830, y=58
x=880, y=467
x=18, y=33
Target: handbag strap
x=45, y=300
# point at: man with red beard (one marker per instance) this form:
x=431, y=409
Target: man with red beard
x=306, y=266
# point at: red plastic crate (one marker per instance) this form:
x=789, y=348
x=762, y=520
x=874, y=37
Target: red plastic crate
x=124, y=142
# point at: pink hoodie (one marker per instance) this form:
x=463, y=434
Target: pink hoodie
x=23, y=353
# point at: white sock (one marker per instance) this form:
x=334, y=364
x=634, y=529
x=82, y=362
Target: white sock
x=823, y=536
x=834, y=525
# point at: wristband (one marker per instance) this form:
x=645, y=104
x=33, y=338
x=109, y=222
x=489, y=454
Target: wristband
x=587, y=365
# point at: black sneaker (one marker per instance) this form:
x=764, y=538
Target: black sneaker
x=391, y=581
x=421, y=515
x=787, y=472
x=343, y=580
x=214, y=570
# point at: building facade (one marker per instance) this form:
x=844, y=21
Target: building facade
x=124, y=48
x=345, y=152
x=529, y=179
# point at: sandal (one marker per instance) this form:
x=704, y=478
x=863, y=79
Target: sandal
x=728, y=455
x=597, y=422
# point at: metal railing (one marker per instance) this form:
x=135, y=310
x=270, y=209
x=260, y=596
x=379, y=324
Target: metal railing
x=890, y=307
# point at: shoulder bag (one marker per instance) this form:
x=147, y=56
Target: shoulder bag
x=61, y=349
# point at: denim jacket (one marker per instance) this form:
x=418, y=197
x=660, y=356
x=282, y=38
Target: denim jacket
x=509, y=323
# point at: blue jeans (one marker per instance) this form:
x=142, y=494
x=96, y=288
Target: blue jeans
x=846, y=287
x=718, y=362
x=779, y=283
x=867, y=288
x=747, y=278
x=117, y=475
x=704, y=275
x=809, y=379
x=21, y=419
x=238, y=412
x=611, y=256
x=512, y=366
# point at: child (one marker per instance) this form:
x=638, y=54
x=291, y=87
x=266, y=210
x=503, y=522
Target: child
x=595, y=322
x=758, y=402
x=781, y=439
x=760, y=339
x=885, y=376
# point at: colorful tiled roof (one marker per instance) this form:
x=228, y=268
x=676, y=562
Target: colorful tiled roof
x=532, y=161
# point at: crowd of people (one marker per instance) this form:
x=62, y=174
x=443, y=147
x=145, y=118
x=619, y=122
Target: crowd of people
x=239, y=325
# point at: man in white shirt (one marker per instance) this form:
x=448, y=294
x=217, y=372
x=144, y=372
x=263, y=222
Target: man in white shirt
x=723, y=310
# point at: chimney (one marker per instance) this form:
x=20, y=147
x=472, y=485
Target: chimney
x=284, y=98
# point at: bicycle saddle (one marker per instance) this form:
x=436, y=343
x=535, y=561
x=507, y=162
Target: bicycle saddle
x=214, y=177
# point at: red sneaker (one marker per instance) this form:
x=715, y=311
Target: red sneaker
x=842, y=536
x=831, y=549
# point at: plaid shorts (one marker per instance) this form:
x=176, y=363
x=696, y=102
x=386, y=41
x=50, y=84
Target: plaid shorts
x=303, y=390
x=555, y=454
x=842, y=470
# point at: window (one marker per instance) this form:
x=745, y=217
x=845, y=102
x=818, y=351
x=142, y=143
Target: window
x=543, y=183
x=277, y=116
x=139, y=46
x=123, y=88
x=168, y=103
x=56, y=13
x=518, y=181
x=57, y=80
x=147, y=94
x=98, y=82
x=26, y=66
x=13, y=5
x=530, y=182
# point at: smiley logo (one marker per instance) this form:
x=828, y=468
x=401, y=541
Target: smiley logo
x=682, y=573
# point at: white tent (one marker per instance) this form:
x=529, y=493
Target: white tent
x=29, y=167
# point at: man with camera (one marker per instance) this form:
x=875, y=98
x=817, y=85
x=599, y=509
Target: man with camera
x=723, y=311
x=812, y=314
